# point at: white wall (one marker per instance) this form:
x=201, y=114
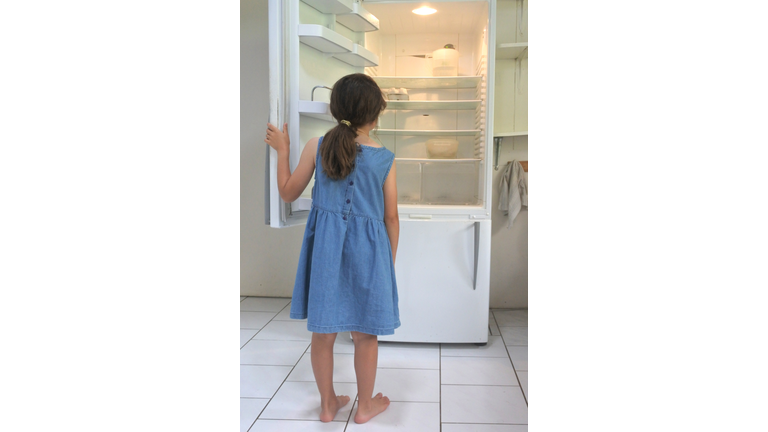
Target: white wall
x=268, y=256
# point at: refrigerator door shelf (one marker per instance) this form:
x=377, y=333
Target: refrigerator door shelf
x=318, y=110
x=331, y=6
x=324, y=39
x=505, y=134
x=415, y=82
x=301, y=204
x=359, y=57
x=508, y=51
x=359, y=19
x=433, y=105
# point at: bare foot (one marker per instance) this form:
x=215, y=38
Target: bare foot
x=378, y=404
x=328, y=412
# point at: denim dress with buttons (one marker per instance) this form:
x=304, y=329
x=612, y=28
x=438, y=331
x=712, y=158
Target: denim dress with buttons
x=346, y=275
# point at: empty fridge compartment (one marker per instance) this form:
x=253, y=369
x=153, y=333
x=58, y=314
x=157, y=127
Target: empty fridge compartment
x=408, y=181
x=450, y=182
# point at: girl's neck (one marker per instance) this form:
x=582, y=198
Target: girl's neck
x=363, y=135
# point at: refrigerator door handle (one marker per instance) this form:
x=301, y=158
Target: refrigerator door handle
x=266, y=187
x=267, y=193
x=477, y=252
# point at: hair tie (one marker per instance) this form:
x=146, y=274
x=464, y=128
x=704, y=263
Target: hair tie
x=346, y=123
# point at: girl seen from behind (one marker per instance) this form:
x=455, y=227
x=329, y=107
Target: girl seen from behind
x=346, y=276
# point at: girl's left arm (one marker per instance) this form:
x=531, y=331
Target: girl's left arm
x=291, y=186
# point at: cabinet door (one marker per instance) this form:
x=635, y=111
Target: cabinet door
x=443, y=279
x=511, y=69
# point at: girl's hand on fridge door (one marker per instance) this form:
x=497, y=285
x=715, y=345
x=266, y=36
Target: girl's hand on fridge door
x=291, y=185
x=278, y=139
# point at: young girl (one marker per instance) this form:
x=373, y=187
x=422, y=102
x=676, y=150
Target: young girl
x=346, y=275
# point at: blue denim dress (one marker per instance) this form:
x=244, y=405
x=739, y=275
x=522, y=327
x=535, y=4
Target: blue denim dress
x=346, y=275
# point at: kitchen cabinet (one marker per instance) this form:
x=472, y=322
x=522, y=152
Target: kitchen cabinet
x=511, y=90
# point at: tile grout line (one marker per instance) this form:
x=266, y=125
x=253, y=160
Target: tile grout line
x=267, y=323
x=429, y=369
x=303, y=420
x=473, y=356
x=450, y=384
x=286, y=380
x=279, y=387
x=491, y=315
x=257, y=417
x=357, y=394
x=387, y=368
x=520, y=384
x=286, y=376
x=497, y=424
x=351, y=409
x=483, y=385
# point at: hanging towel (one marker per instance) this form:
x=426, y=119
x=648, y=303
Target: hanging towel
x=513, y=191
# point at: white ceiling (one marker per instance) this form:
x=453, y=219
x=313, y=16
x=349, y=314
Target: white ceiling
x=451, y=17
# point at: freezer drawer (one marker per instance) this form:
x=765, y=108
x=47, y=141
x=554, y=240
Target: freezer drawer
x=443, y=280
x=408, y=182
x=438, y=182
x=451, y=183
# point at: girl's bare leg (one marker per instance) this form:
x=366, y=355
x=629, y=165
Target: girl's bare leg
x=366, y=359
x=322, y=366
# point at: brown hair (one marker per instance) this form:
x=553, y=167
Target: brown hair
x=356, y=99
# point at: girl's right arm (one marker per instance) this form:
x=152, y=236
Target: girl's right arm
x=391, y=217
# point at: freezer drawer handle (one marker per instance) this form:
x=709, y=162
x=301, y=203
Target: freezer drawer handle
x=477, y=252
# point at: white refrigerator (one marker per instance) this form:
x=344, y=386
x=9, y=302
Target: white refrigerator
x=443, y=256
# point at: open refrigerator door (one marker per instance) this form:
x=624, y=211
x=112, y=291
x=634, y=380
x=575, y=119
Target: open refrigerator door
x=277, y=211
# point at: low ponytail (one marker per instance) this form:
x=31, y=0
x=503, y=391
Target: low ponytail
x=356, y=100
x=338, y=151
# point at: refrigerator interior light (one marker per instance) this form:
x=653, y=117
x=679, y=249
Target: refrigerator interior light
x=424, y=11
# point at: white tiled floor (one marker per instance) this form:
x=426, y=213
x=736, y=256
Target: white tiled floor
x=433, y=387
